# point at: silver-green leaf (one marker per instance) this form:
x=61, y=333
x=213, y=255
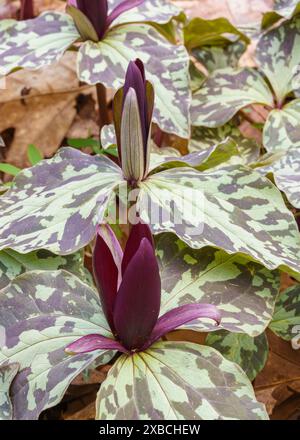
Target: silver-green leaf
x=40, y=314
x=244, y=292
x=249, y=353
x=286, y=318
x=7, y=375
x=177, y=381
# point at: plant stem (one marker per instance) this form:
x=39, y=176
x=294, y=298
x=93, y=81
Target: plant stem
x=102, y=104
x=27, y=10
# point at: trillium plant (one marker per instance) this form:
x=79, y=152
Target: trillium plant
x=107, y=35
x=130, y=292
x=175, y=227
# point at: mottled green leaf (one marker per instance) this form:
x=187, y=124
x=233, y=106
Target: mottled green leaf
x=282, y=9
x=7, y=375
x=158, y=11
x=167, y=67
x=200, y=32
x=226, y=92
x=57, y=204
x=286, y=318
x=203, y=138
x=232, y=208
x=108, y=136
x=249, y=353
x=40, y=314
x=197, y=77
x=177, y=381
x=217, y=153
x=244, y=291
x=286, y=173
x=13, y=264
x=278, y=55
x=201, y=160
x=220, y=57
x=282, y=128
x=35, y=43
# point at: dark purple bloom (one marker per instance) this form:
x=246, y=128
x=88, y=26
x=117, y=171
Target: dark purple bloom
x=133, y=109
x=130, y=290
x=97, y=12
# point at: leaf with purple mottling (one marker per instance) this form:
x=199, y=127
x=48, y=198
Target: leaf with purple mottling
x=177, y=381
x=40, y=314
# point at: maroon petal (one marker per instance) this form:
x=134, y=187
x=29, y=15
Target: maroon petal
x=137, y=233
x=93, y=342
x=181, y=315
x=106, y=277
x=124, y=6
x=96, y=11
x=138, y=300
x=27, y=11
x=108, y=235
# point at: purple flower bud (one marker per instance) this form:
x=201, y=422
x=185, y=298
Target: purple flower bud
x=131, y=306
x=138, y=300
x=97, y=12
x=133, y=109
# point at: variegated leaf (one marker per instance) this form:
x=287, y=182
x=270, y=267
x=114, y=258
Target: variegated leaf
x=232, y=208
x=278, y=55
x=286, y=173
x=220, y=57
x=3, y=187
x=13, y=264
x=157, y=11
x=215, y=154
x=57, y=204
x=226, y=92
x=203, y=138
x=35, y=43
x=200, y=32
x=177, y=381
x=108, y=136
x=282, y=128
x=282, y=9
x=202, y=160
x=197, y=77
x=167, y=67
x=249, y=353
x=244, y=292
x=40, y=314
x=7, y=375
x=286, y=318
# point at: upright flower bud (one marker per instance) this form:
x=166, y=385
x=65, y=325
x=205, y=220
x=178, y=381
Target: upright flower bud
x=133, y=109
x=128, y=284
x=94, y=19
